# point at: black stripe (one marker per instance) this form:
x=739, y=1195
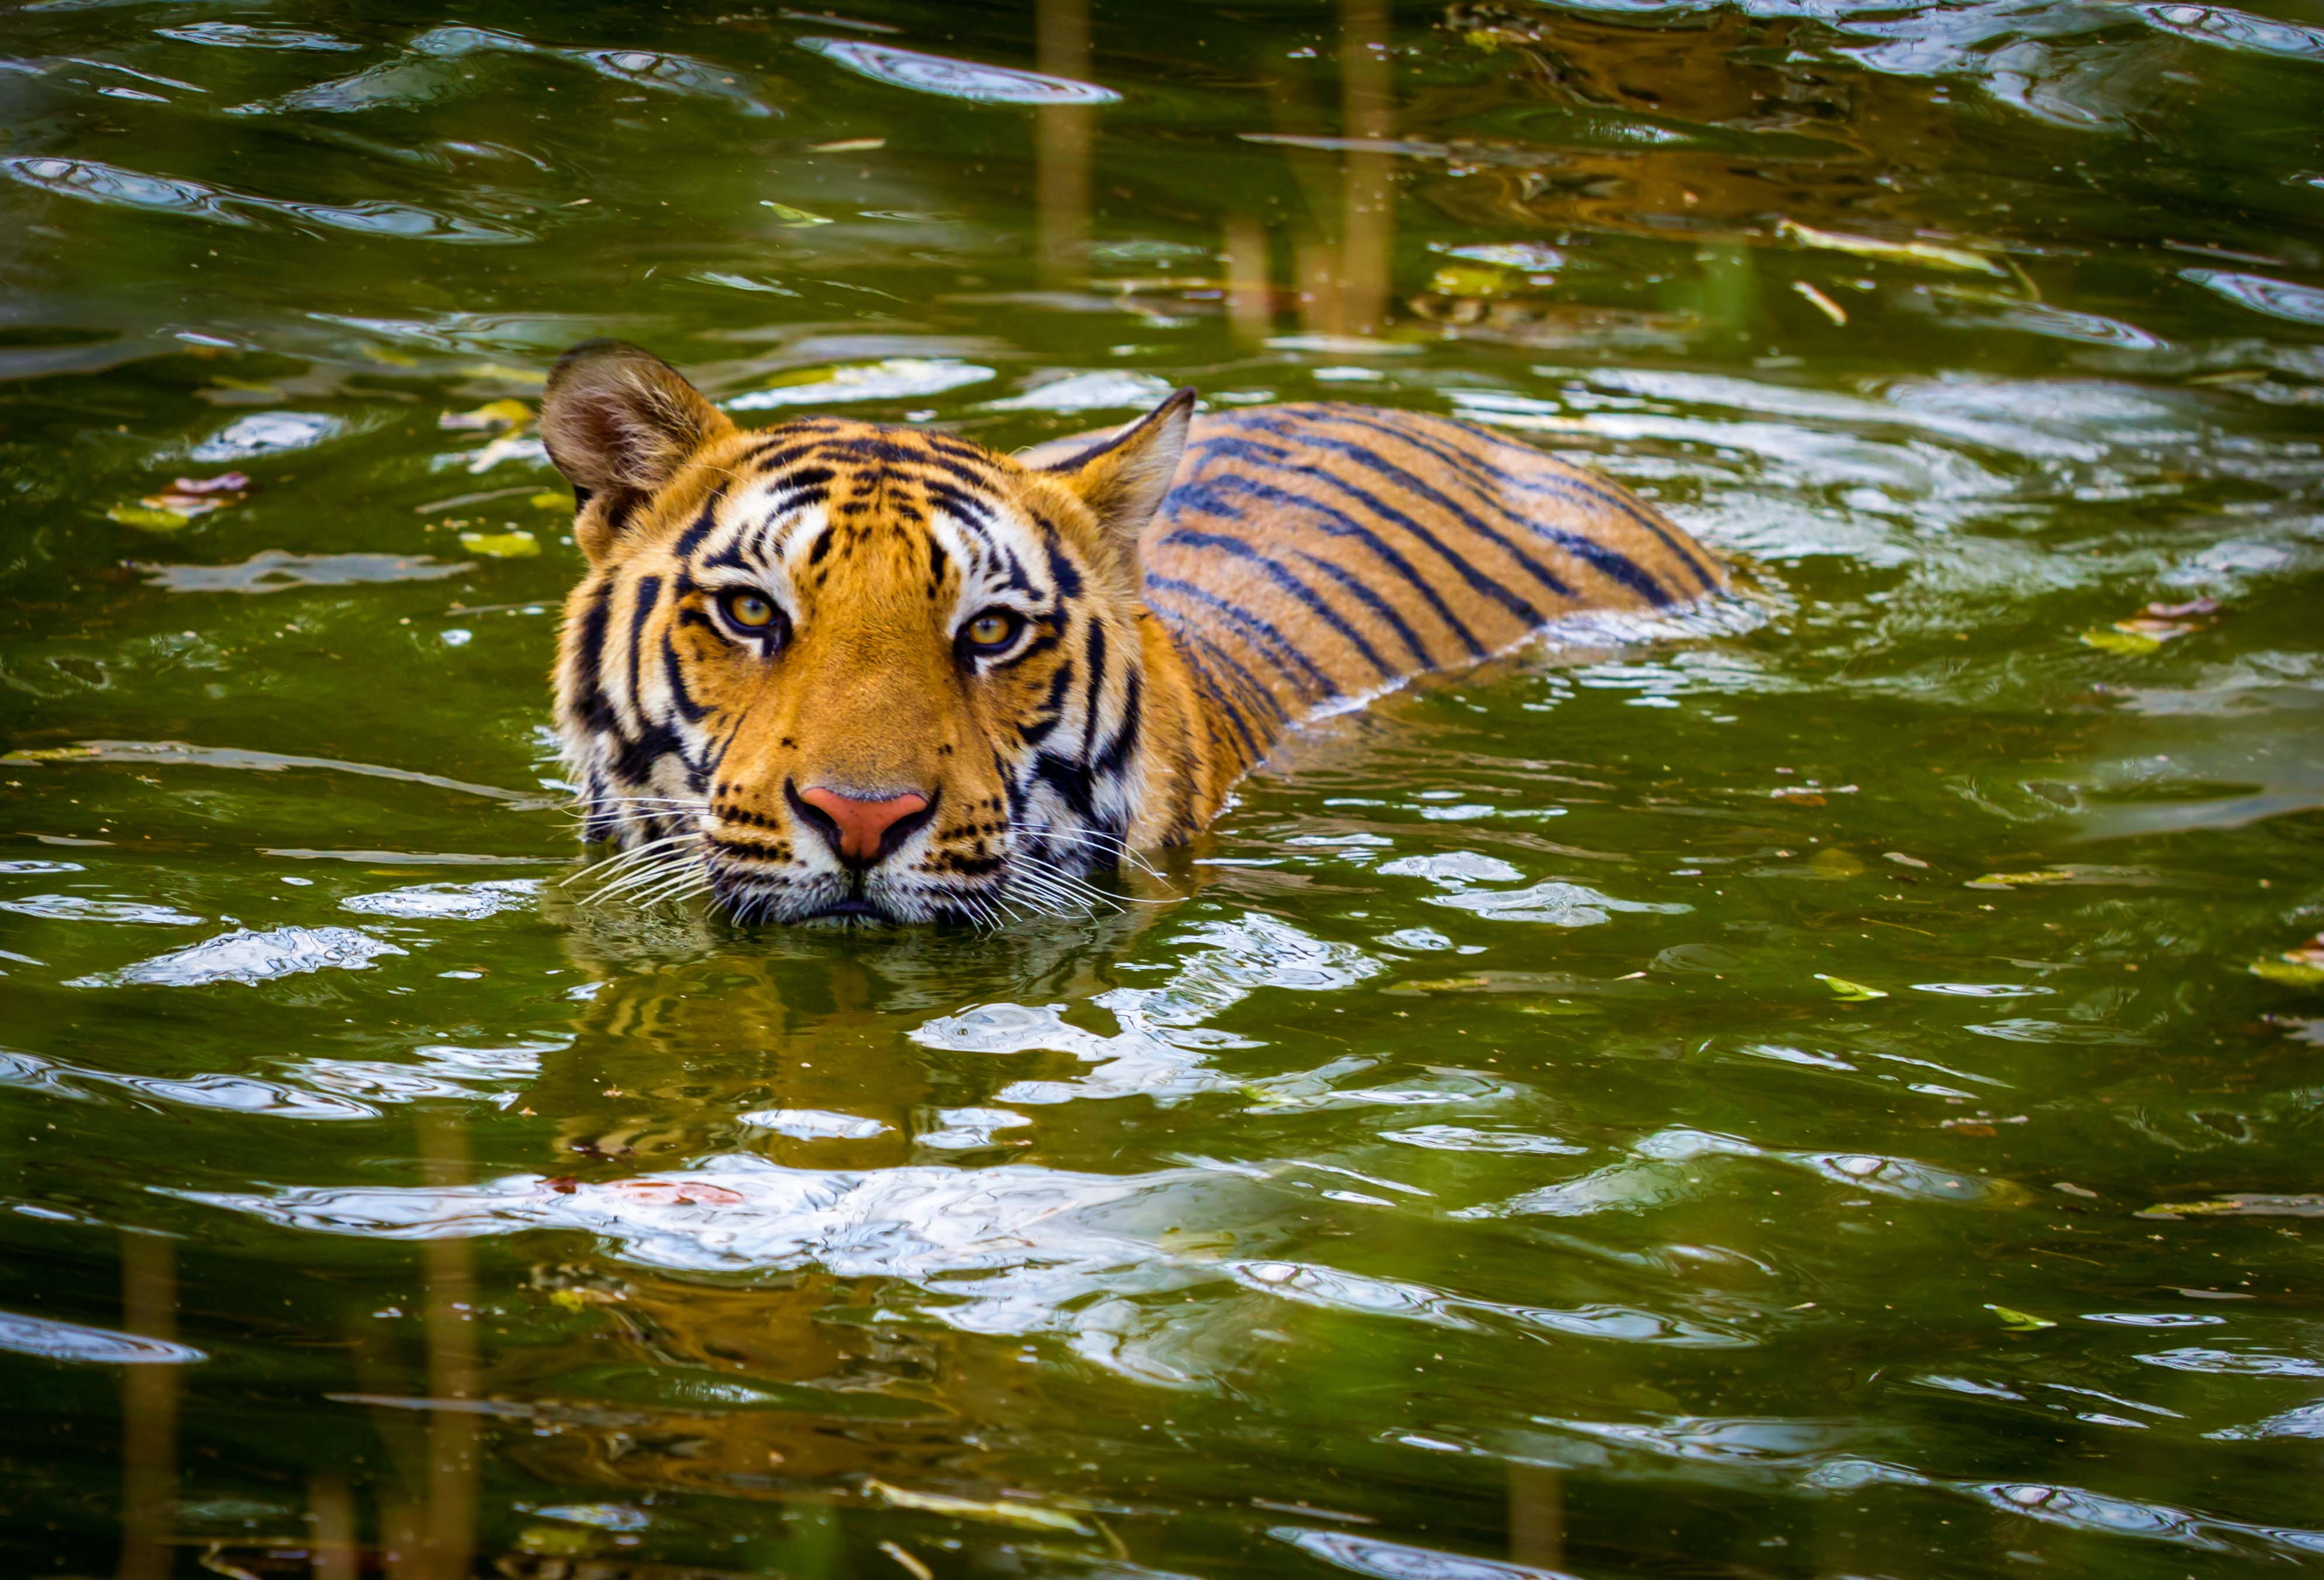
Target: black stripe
x=589, y=649
x=1272, y=644
x=1094, y=656
x=1362, y=591
x=1338, y=523
x=1218, y=693
x=688, y=709
x=636, y=759
x=641, y=608
x=703, y=525
x=1067, y=580
x=1052, y=708
x=1109, y=763
x=1281, y=576
x=1573, y=480
x=1071, y=780
x=1609, y=561
x=1251, y=686
x=1364, y=457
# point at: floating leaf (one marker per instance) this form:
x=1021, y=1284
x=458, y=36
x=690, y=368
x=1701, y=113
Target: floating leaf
x=2153, y=626
x=2299, y=967
x=848, y=145
x=506, y=374
x=52, y=754
x=516, y=545
x=511, y=415
x=786, y=215
x=1473, y=280
x=2242, y=1205
x=2021, y=879
x=2019, y=1321
x=1854, y=993
x=148, y=518
x=1023, y=1516
x=1928, y=254
x=558, y=1541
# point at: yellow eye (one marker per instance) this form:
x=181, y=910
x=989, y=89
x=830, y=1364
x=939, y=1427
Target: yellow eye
x=993, y=630
x=750, y=610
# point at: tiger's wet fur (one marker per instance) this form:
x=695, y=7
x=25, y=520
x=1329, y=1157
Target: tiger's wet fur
x=1175, y=597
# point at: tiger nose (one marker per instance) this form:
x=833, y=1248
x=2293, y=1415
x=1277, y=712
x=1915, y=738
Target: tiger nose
x=860, y=832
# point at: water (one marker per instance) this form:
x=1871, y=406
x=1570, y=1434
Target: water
x=1817, y=1091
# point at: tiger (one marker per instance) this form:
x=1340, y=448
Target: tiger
x=833, y=670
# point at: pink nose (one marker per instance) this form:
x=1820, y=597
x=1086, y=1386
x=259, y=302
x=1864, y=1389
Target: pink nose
x=861, y=832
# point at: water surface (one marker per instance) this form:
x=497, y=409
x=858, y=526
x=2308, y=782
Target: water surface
x=1814, y=1089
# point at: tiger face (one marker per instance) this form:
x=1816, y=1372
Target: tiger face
x=838, y=669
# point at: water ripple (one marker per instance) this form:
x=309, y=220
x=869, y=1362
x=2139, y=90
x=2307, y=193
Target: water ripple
x=950, y=79
x=115, y=186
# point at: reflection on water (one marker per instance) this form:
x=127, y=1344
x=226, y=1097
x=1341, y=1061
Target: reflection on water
x=1822, y=1087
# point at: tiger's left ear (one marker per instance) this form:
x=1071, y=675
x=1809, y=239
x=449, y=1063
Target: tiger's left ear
x=1123, y=480
x=620, y=423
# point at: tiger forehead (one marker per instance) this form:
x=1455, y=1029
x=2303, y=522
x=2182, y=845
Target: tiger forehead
x=822, y=494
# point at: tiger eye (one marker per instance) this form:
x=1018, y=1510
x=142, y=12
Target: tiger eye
x=751, y=610
x=992, y=629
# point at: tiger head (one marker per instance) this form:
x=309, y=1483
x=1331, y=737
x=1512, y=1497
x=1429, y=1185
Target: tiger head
x=838, y=669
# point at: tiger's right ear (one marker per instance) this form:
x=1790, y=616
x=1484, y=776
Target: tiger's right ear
x=620, y=423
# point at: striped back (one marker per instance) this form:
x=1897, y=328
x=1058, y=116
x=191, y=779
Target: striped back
x=1310, y=556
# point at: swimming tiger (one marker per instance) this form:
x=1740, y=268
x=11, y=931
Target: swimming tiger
x=834, y=668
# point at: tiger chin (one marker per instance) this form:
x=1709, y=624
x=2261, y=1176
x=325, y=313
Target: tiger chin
x=842, y=670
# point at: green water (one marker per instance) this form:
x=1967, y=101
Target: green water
x=1484, y=1155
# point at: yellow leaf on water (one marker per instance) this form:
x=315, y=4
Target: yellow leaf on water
x=506, y=374
x=2020, y=880
x=512, y=414
x=848, y=145
x=558, y=1541
x=787, y=215
x=2130, y=644
x=516, y=545
x=1023, y=1516
x=1928, y=254
x=2019, y=1321
x=2243, y=1205
x=148, y=518
x=52, y=754
x=2290, y=970
x=1473, y=280
x=391, y=356
x=1854, y=993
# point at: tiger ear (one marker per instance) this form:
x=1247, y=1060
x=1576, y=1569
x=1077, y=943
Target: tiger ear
x=620, y=423
x=1123, y=480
